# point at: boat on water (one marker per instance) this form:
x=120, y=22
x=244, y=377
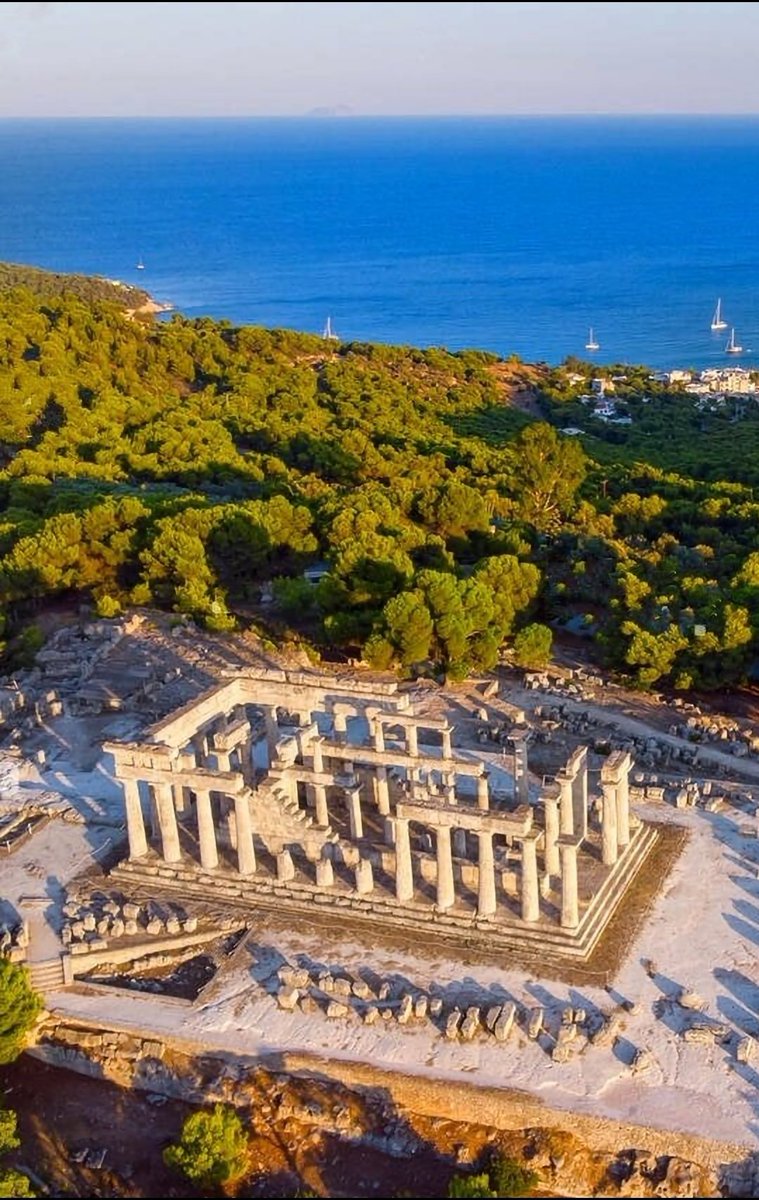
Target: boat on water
x=328, y=332
x=591, y=343
x=140, y=264
x=717, y=320
x=732, y=346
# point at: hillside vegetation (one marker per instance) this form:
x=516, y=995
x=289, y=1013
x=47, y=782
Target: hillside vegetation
x=192, y=465
x=85, y=287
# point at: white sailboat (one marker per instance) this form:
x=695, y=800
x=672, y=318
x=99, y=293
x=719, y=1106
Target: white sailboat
x=591, y=343
x=140, y=264
x=717, y=320
x=732, y=346
x=329, y=334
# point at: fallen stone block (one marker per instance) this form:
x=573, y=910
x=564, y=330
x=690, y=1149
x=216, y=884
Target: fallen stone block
x=336, y=1010
x=287, y=997
x=452, y=1024
x=535, y=1023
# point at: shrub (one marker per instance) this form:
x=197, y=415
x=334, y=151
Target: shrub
x=532, y=646
x=19, y=1006
x=212, y=1148
x=470, y=1185
x=510, y=1178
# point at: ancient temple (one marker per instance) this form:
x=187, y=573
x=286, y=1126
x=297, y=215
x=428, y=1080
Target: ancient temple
x=295, y=789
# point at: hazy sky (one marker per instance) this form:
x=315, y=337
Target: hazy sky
x=136, y=59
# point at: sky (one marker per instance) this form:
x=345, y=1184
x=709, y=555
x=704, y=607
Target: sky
x=288, y=59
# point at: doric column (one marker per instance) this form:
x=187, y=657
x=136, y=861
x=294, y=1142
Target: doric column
x=486, y=901
x=285, y=866
x=135, y=823
x=180, y=799
x=447, y=747
x=580, y=792
x=623, y=809
x=325, y=875
x=483, y=791
x=518, y=738
x=209, y=856
x=566, y=804
x=364, y=877
x=340, y=726
x=230, y=821
x=459, y=843
x=381, y=790
x=404, y=877
x=609, y=824
x=551, y=809
x=570, y=906
x=412, y=739
x=320, y=802
x=530, y=890
x=200, y=746
x=379, y=733
x=272, y=731
x=222, y=760
x=449, y=787
x=318, y=756
x=354, y=812
x=246, y=857
x=167, y=820
x=446, y=894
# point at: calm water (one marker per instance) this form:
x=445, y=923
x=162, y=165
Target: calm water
x=513, y=234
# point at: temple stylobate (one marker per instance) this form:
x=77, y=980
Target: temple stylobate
x=303, y=792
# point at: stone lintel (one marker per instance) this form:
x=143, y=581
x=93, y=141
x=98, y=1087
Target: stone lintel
x=200, y=780
x=569, y=839
x=479, y=820
x=368, y=756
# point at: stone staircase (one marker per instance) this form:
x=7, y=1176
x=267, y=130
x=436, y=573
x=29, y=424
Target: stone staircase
x=47, y=976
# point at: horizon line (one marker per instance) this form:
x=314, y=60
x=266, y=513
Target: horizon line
x=360, y=116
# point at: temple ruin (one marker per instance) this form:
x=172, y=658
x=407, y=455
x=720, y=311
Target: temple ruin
x=308, y=793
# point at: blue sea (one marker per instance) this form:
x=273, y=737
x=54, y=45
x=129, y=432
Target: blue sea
x=511, y=234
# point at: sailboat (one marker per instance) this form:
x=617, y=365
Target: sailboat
x=732, y=346
x=717, y=321
x=140, y=264
x=591, y=343
x=329, y=334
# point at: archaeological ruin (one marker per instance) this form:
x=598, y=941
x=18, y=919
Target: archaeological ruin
x=307, y=793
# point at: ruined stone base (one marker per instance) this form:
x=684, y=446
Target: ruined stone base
x=495, y=936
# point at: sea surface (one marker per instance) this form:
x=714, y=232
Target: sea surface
x=511, y=234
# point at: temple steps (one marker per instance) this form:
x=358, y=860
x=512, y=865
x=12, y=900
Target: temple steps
x=546, y=941
x=47, y=976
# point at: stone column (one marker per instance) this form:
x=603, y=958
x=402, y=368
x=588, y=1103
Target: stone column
x=449, y=787
x=364, y=876
x=230, y=820
x=446, y=893
x=404, y=877
x=222, y=760
x=570, y=904
x=530, y=889
x=317, y=755
x=167, y=820
x=486, y=901
x=354, y=812
x=325, y=874
x=246, y=857
x=580, y=793
x=209, y=856
x=320, y=802
x=379, y=733
x=381, y=790
x=609, y=824
x=518, y=738
x=483, y=791
x=623, y=809
x=566, y=805
x=200, y=746
x=272, y=731
x=551, y=808
x=447, y=747
x=412, y=739
x=459, y=843
x=135, y=822
x=340, y=726
x=180, y=799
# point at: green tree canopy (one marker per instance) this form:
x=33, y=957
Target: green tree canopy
x=19, y=1008
x=212, y=1148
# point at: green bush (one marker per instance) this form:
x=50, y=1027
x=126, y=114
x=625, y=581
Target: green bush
x=19, y=1006
x=212, y=1148
x=532, y=646
x=510, y=1178
x=12, y=1182
x=470, y=1185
